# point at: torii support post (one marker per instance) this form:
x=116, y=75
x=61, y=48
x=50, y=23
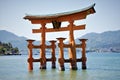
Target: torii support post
x=84, y=58
x=61, y=53
x=30, y=58
x=53, y=53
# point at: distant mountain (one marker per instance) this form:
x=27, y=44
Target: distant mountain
x=15, y=40
x=108, y=39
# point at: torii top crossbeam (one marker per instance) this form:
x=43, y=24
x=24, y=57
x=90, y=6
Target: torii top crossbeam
x=56, y=19
x=72, y=15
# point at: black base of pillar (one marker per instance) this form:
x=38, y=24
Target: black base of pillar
x=62, y=69
x=53, y=66
x=43, y=67
x=74, y=68
x=84, y=67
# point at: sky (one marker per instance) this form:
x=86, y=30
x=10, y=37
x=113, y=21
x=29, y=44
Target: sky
x=106, y=18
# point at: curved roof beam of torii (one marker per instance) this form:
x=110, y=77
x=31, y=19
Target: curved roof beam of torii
x=59, y=17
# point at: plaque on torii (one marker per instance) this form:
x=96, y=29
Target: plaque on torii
x=56, y=20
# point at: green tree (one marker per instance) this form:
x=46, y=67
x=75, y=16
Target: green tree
x=7, y=47
x=16, y=50
x=0, y=43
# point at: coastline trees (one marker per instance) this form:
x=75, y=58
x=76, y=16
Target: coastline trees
x=7, y=48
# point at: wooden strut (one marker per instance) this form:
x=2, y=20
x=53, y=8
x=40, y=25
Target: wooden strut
x=84, y=58
x=30, y=57
x=61, y=54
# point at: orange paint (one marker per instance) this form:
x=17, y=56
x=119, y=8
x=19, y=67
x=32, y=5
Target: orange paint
x=56, y=20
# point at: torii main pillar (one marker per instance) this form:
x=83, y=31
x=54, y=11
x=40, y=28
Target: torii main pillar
x=72, y=50
x=43, y=46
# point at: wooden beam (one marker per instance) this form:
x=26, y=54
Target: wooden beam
x=80, y=27
x=77, y=16
x=36, y=60
x=67, y=60
x=78, y=45
x=79, y=60
x=67, y=45
x=66, y=16
x=37, y=46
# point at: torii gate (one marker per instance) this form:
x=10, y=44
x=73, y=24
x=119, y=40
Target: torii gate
x=56, y=20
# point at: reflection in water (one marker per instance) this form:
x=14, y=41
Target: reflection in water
x=30, y=75
x=84, y=75
x=73, y=75
x=55, y=74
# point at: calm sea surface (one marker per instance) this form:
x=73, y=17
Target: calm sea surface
x=100, y=66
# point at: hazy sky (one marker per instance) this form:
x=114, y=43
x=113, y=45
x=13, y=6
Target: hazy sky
x=107, y=16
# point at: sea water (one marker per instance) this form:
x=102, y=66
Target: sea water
x=100, y=66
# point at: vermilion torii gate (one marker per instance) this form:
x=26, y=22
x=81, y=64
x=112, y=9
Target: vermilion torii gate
x=56, y=20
